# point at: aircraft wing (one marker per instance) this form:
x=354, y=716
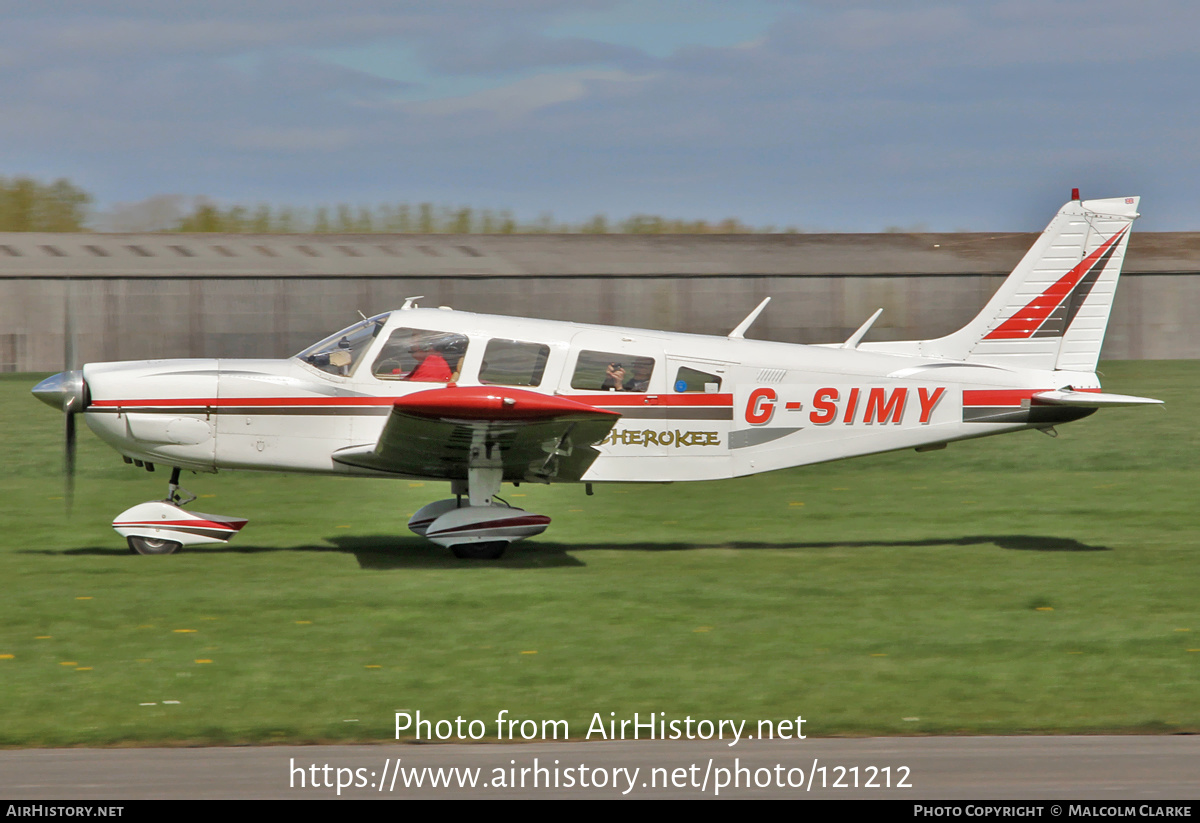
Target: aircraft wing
x=441, y=433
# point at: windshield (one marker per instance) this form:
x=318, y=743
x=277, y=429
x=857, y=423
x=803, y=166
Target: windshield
x=339, y=353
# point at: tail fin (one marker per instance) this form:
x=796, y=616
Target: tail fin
x=1052, y=311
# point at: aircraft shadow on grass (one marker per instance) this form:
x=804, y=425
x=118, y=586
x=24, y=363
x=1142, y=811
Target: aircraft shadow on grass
x=1018, y=542
x=374, y=552
x=380, y=552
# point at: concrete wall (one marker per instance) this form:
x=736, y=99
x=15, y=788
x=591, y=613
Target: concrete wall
x=146, y=296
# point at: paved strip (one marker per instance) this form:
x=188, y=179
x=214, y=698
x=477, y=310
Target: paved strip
x=1127, y=768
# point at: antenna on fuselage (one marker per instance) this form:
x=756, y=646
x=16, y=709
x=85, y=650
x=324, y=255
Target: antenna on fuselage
x=409, y=302
x=853, y=340
x=740, y=332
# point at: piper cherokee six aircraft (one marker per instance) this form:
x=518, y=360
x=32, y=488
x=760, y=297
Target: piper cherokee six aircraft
x=479, y=400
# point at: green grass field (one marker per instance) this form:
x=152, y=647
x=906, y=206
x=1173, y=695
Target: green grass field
x=1009, y=585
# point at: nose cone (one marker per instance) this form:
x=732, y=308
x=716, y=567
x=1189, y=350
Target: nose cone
x=51, y=391
x=61, y=389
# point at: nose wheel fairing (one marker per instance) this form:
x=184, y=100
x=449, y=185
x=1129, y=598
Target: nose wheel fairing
x=161, y=520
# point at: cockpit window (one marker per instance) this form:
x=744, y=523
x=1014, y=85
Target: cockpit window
x=421, y=355
x=339, y=353
x=604, y=371
x=513, y=363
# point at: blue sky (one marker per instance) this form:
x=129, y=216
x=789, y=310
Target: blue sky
x=841, y=116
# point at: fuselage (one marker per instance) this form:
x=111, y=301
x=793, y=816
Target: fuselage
x=692, y=407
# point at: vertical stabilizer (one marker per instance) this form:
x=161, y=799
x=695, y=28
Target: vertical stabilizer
x=1052, y=311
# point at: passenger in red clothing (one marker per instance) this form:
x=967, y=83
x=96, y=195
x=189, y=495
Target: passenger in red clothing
x=433, y=368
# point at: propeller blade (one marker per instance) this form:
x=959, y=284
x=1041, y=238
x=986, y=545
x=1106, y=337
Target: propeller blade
x=69, y=456
x=73, y=402
x=68, y=333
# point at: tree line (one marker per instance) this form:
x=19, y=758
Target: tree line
x=428, y=218
x=29, y=205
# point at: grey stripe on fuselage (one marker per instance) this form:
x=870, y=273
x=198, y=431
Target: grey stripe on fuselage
x=1032, y=414
x=756, y=437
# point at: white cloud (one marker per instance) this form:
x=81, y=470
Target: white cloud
x=294, y=140
x=516, y=100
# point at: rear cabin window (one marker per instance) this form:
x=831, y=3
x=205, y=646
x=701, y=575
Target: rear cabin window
x=605, y=371
x=693, y=380
x=513, y=363
x=421, y=356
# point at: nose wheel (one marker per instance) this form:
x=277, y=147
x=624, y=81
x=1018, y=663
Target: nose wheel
x=491, y=550
x=152, y=545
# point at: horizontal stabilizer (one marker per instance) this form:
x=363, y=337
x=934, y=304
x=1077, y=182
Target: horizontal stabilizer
x=1091, y=400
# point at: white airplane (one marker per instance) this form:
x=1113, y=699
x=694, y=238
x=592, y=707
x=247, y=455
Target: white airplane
x=480, y=400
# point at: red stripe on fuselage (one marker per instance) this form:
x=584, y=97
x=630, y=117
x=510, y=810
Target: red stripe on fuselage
x=599, y=400
x=218, y=402
x=641, y=398
x=1005, y=397
x=997, y=397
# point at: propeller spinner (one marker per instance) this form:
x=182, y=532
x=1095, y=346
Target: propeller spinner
x=68, y=392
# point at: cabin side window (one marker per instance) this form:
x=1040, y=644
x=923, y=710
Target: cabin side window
x=513, y=363
x=606, y=371
x=421, y=356
x=694, y=380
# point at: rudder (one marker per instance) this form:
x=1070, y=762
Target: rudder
x=1053, y=310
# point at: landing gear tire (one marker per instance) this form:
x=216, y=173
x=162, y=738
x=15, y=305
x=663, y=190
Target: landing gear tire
x=491, y=550
x=152, y=545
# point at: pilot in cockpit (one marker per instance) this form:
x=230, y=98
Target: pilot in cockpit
x=431, y=366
